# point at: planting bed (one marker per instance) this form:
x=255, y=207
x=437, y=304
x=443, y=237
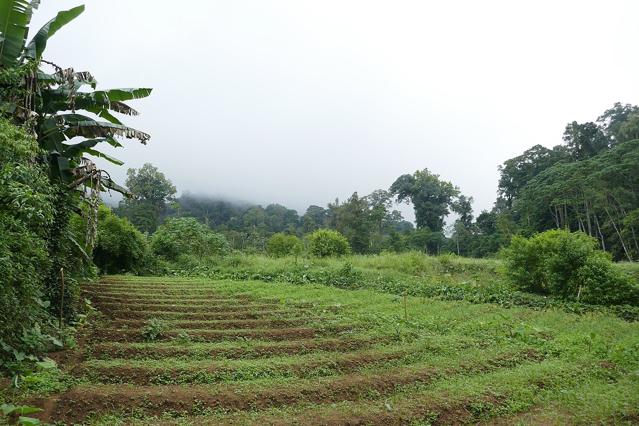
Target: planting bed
x=265, y=353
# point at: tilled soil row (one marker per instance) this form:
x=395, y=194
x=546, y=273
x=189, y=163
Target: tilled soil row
x=211, y=373
x=220, y=325
x=194, y=303
x=97, y=298
x=239, y=314
x=144, y=281
x=130, y=296
x=263, y=350
x=75, y=405
x=162, y=288
x=115, y=335
x=410, y=411
x=184, y=308
x=186, y=292
x=162, y=291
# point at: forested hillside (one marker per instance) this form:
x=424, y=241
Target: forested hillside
x=590, y=183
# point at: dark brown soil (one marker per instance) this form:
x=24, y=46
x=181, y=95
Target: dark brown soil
x=228, y=315
x=181, y=299
x=76, y=404
x=408, y=412
x=123, y=335
x=220, y=324
x=147, y=375
x=184, y=308
x=298, y=347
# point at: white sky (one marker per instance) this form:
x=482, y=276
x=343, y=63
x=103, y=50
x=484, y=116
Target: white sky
x=298, y=101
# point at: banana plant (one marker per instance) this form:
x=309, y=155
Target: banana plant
x=69, y=117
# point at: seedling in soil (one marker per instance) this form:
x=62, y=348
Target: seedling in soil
x=183, y=337
x=153, y=329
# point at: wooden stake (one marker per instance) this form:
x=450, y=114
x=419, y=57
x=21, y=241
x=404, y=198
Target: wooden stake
x=405, y=308
x=61, y=296
x=578, y=293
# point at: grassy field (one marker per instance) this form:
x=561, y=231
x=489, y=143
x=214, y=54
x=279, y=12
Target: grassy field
x=444, y=277
x=255, y=352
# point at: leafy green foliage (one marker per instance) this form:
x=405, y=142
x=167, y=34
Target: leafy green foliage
x=42, y=259
x=281, y=244
x=41, y=100
x=26, y=216
x=14, y=30
x=588, y=184
x=21, y=411
x=152, y=192
x=120, y=247
x=516, y=172
x=432, y=197
x=619, y=123
x=567, y=265
x=153, y=329
x=326, y=242
x=596, y=196
x=185, y=235
x=353, y=220
x=585, y=140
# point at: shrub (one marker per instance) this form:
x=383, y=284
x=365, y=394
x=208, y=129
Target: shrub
x=282, y=245
x=153, y=329
x=567, y=265
x=119, y=247
x=326, y=242
x=185, y=235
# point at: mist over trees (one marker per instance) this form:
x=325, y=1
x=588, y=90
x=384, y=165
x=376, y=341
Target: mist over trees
x=589, y=183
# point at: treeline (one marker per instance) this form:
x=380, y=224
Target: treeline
x=369, y=223
x=589, y=183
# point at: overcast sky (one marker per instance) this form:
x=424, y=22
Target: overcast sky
x=299, y=102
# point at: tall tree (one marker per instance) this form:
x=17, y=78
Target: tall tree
x=314, y=218
x=280, y=219
x=585, y=140
x=629, y=129
x=595, y=196
x=464, y=208
x=152, y=192
x=516, y=172
x=613, y=120
x=431, y=197
x=353, y=221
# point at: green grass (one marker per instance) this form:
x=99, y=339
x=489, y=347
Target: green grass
x=445, y=277
x=418, y=358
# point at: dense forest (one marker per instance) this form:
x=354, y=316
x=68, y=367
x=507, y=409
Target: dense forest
x=590, y=183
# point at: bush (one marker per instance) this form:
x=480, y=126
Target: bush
x=185, y=235
x=119, y=247
x=567, y=265
x=153, y=329
x=280, y=245
x=326, y=242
